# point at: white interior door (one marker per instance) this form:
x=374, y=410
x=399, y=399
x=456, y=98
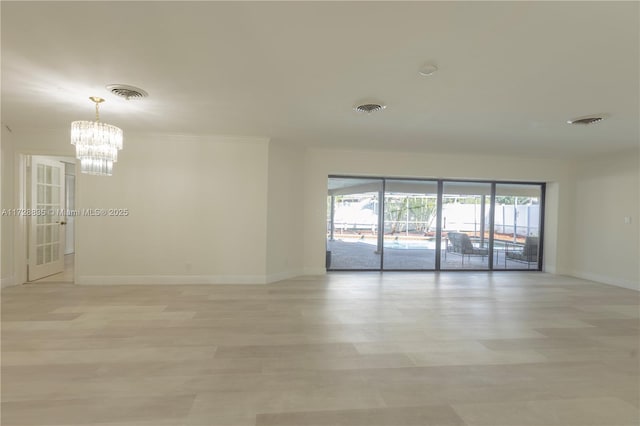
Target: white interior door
x=46, y=234
x=70, y=189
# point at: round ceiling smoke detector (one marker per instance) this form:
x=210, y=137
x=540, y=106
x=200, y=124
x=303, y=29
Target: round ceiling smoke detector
x=126, y=91
x=369, y=107
x=427, y=70
x=587, y=119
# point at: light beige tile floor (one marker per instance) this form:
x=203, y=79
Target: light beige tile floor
x=347, y=349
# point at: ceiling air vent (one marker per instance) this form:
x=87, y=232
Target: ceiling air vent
x=587, y=119
x=369, y=108
x=127, y=92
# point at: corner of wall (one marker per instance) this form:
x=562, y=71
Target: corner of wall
x=285, y=192
x=7, y=200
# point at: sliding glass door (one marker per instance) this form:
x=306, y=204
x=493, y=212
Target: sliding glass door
x=410, y=208
x=466, y=212
x=352, y=224
x=420, y=224
x=517, y=227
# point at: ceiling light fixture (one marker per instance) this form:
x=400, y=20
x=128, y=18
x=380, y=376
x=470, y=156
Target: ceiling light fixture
x=97, y=144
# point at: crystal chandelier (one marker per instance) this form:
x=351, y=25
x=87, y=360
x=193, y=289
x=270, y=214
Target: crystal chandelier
x=97, y=144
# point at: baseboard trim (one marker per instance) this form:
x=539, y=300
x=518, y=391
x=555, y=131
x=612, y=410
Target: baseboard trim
x=551, y=269
x=168, y=279
x=314, y=271
x=8, y=281
x=281, y=276
x=607, y=280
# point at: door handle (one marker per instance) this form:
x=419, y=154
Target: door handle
x=62, y=222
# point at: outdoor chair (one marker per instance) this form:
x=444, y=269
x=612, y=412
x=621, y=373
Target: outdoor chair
x=460, y=243
x=527, y=253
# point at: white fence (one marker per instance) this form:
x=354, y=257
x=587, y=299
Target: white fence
x=466, y=217
x=524, y=219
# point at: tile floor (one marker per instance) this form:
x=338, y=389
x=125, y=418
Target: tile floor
x=507, y=348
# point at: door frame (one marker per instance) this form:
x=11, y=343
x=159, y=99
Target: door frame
x=21, y=234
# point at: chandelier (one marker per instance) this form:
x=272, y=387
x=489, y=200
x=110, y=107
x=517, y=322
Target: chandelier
x=97, y=144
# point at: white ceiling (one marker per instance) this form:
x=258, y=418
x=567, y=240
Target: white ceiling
x=510, y=73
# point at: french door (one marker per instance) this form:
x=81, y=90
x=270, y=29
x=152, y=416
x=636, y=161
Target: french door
x=47, y=218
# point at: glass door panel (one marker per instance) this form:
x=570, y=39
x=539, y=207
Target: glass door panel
x=466, y=214
x=410, y=209
x=47, y=202
x=517, y=224
x=352, y=224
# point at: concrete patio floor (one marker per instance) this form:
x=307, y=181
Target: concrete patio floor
x=356, y=254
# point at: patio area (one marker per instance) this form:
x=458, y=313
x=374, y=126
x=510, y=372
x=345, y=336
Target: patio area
x=356, y=254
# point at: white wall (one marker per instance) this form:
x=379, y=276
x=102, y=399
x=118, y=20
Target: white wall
x=198, y=209
x=320, y=163
x=284, y=213
x=7, y=193
x=218, y=209
x=197, y=213
x=605, y=248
